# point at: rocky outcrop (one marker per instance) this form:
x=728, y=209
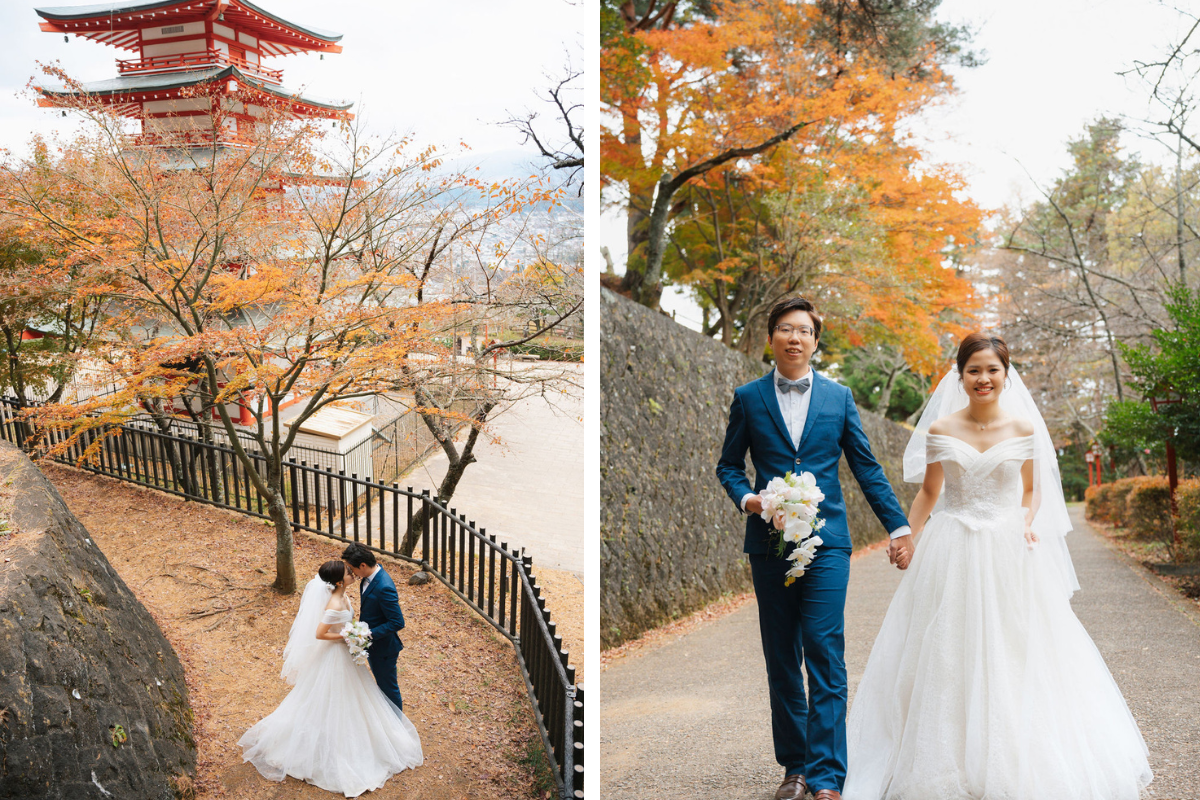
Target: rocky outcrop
x=93, y=702
x=671, y=541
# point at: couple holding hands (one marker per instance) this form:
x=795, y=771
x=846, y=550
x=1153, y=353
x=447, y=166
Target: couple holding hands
x=982, y=683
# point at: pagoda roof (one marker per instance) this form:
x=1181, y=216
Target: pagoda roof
x=166, y=81
x=115, y=22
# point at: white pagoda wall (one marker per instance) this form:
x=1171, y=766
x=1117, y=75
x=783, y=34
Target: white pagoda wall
x=176, y=105
x=199, y=39
x=189, y=29
x=171, y=48
x=176, y=124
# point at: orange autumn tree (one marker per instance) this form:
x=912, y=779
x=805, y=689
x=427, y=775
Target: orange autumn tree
x=295, y=267
x=44, y=288
x=760, y=147
x=879, y=258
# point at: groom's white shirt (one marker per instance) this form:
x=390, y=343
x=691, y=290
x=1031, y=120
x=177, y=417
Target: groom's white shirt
x=368, y=579
x=794, y=408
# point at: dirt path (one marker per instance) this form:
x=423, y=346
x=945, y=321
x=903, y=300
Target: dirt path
x=205, y=575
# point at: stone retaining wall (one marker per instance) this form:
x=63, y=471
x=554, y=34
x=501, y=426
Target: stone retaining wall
x=671, y=540
x=93, y=702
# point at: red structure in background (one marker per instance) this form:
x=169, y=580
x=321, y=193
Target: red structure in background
x=182, y=45
x=193, y=61
x=1095, y=467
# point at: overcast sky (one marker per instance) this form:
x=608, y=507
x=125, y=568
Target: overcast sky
x=444, y=71
x=1052, y=67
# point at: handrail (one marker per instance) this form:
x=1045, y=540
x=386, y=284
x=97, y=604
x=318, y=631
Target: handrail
x=195, y=60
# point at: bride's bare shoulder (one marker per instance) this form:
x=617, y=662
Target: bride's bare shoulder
x=1022, y=426
x=943, y=426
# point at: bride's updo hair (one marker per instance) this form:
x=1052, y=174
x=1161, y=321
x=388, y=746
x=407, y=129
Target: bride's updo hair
x=331, y=572
x=973, y=343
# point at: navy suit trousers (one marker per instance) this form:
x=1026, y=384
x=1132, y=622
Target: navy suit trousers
x=382, y=662
x=805, y=624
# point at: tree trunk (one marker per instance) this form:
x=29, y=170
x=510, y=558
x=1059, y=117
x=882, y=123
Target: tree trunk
x=203, y=424
x=885, y=396
x=915, y=417
x=164, y=424
x=454, y=473
x=641, y=195
x=285, y=562
x=1179, y=212
x=648, y=290
x=15, y=375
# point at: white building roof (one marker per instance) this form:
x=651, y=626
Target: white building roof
x=333, y=423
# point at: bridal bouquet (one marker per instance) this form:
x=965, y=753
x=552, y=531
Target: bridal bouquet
x=790, y=504
x=358, y=637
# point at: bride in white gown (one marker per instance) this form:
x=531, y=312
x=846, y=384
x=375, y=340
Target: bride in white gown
x=982, y=683
x=336, y=729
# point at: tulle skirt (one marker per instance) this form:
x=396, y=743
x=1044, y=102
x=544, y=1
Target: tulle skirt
x=982, y=683
x=336, y=729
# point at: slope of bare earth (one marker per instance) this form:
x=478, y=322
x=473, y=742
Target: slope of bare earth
x=205, y=574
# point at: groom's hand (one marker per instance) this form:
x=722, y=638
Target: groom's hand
x=754, y=505
x=900, y=550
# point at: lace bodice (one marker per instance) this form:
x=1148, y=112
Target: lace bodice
x=979, y=485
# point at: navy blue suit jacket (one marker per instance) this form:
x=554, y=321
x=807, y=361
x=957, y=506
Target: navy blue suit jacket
x=380, y=609
x=832, y=428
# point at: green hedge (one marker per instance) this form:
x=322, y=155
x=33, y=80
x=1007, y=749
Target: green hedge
x=1148, y=508
x=1143, y=505
x=1187, y=500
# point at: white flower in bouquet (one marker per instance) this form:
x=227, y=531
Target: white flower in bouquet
x=358, y=639
x=801, y=556
x=791, y=505
x=796, y=530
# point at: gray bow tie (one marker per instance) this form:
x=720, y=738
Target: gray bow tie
x=786, y=386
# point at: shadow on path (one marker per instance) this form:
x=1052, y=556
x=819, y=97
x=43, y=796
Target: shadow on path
x=691, y=717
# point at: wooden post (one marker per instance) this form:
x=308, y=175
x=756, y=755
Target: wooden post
x=1172, y=474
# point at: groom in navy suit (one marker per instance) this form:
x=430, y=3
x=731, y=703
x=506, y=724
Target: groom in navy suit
x=379, y=607
x=793, y=419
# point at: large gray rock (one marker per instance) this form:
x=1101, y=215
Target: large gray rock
x=671, y=540
x=81, y=662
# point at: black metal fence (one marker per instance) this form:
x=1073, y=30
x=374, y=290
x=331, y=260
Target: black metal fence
x=494, y=580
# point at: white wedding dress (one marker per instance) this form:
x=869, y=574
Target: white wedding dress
x=982, y=683
x=336, y=729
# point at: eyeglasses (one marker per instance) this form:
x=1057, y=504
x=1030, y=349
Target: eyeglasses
x=803, y=330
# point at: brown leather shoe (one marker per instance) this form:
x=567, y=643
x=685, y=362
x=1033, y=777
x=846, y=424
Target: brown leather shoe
x=828, y=794
x=792, y=788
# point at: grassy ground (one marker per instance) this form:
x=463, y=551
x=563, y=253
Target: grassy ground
x=205, y=575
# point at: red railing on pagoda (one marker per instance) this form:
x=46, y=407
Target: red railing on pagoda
x=177, y=62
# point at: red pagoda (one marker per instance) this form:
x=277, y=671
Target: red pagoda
x=180, y=47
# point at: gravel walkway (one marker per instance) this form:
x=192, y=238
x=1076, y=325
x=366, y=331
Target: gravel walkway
x=690, y=717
